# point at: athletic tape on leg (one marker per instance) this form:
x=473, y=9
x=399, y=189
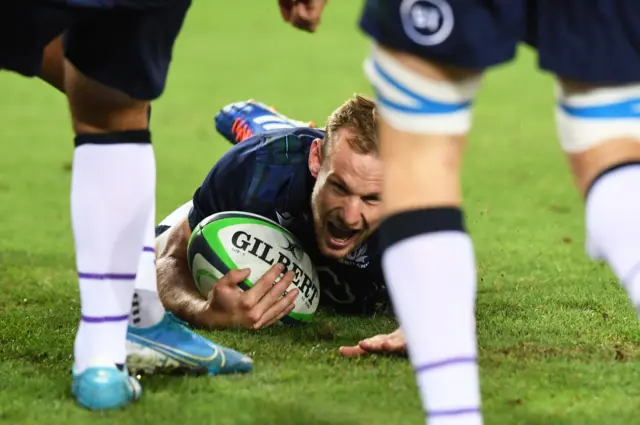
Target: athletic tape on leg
x=589, y=118
x=414, y=103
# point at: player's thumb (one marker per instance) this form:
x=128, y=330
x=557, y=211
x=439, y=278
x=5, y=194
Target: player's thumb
x=235, y=277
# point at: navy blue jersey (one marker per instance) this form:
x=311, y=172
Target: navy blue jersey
x=269, y=175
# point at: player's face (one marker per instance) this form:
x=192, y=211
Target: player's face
x=346, y=197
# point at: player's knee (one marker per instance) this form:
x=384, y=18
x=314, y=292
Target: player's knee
x=420, y=97
x=598, y=127
x=96, y=108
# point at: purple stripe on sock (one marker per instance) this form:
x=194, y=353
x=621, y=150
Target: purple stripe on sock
x=89, y=319
x=113, y=276
x=148, y=249
x=454, y=412
x=443, y=363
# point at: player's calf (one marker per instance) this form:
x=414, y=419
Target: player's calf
x=426, y=113
x=113, y=194
x=599, y=128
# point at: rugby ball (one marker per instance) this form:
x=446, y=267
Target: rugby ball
x=236, y=240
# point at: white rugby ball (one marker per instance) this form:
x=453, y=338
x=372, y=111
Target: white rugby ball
x=237, y=240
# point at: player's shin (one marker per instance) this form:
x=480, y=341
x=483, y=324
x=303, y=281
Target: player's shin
x=146, y=307
x=600, y=130
x=428, y=257
x=113, y=190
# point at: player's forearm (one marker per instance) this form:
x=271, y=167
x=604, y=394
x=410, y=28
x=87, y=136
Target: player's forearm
x=178, y=292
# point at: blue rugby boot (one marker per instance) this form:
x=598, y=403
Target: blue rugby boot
x=239, y=121
x=171, y=347
x=105, y=386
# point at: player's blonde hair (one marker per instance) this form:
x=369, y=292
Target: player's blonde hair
x=357, y=114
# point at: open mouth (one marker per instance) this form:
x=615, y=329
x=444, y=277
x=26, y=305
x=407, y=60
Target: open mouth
x=340, y=237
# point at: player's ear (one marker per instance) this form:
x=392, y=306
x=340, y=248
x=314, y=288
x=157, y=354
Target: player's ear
x=315, y=157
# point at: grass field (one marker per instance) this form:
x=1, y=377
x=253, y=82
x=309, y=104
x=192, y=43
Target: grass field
x=558, y=341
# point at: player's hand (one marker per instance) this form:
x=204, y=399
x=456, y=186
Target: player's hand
x=393, y=343
x=258, y=307
x=302, y=14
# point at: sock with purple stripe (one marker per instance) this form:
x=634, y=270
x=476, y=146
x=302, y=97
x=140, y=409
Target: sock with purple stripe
x=147, y=309
x=429, y=266
x=113, y=190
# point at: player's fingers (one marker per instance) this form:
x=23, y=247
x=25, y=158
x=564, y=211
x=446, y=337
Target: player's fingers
x=373, y=344
x=275, y=294
x=298, y=20
x=354, y=351
x=393, y=345
x=284, y=313
x=280, y=309
x=285, y=9
x=310, y=13
x=234, y=277
x=276, y=291
x=263, y=285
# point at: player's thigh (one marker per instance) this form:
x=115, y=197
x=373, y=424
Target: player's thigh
x=426, y=69
x=595, y=52
x=123, y=57
x=428, y=59
x=26, y=27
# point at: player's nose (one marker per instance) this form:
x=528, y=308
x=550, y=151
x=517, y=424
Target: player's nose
x=352, y=215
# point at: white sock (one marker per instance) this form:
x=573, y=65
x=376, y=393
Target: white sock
x=613, y=225
x=146, y=308
x=113, y=188
x=431, y=275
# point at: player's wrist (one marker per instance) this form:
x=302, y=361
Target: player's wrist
x=203, y=316
x=209, y=317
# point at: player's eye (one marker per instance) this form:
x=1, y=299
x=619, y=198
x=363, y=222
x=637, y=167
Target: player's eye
x=371, y=199
x=339, y=189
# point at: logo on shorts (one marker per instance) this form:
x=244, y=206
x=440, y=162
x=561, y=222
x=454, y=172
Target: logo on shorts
x=426, y=22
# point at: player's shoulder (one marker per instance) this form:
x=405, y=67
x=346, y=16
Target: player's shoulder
x=289, y=141
x=284, y=146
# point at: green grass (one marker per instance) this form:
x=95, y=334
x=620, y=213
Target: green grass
x=558, y=341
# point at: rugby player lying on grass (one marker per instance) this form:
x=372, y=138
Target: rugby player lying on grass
x=322, y=186
x=355, y=285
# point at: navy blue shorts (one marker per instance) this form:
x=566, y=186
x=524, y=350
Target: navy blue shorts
x=592, y=41
x=128, y=49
